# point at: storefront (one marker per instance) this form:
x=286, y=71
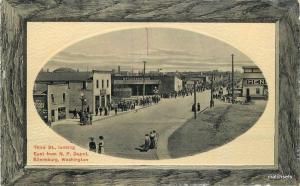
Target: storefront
x=136, y=84
x=254, y=84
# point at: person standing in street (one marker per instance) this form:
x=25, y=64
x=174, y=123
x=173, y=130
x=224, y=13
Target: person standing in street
x=101, y=145
x=155, y=138
x=193, y=108
x=198, y=107
x=147, y=143
x=91, y=119
x=92, y=145
x=152, y=140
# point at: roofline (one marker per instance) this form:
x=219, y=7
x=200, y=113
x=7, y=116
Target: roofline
x=102, y=71
x=250, y=67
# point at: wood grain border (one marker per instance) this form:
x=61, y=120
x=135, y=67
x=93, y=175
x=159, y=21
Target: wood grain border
x=16, y=13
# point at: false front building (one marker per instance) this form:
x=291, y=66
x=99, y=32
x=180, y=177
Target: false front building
x=133, y=85
x=86, y=90
x=253, y=83
x=52, y=101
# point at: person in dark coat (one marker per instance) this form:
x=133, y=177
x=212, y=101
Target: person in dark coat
x=152, y=140
x=101, y=145
x=97, y=110
x=88, y=109
x=101, y=109
x=198, y=107
x=75, y=114
x=105, y=111
x=91, y=119
x=116, y=110
x=92, y=145
x=193, y=108
x=146, y=145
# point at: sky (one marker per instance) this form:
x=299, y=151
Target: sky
x=167, y=49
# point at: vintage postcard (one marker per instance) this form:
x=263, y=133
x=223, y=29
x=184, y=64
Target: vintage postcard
x=151, y=94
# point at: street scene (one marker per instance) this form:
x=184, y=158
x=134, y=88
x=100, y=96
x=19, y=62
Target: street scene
x=142, y=96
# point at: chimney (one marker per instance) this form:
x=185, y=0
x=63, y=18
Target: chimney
x=47, y=69
x=119, y=69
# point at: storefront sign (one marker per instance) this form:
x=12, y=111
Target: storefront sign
x=103, y=92
x=136, y=78
x=256, y=82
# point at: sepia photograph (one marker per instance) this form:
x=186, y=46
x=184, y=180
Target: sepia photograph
x=150, y=93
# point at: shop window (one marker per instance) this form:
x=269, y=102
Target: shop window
x=257, y=90
x=64, y=97
x=102, y=83
x=97, y=84
x=247, y=70
x=257, y=70
x=52, y=98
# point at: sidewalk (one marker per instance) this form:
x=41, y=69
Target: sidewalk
x=70, y=121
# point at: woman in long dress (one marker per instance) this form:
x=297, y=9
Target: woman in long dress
x=101, y=145
x=147, y=142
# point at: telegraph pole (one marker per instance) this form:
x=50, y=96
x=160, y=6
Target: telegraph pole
x=144, y=86
x=195, y=101
x=232, y=78
x=211, y=90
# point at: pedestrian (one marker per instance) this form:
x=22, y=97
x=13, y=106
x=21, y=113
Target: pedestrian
x=152, y=140
x=116, y=110
x=101, y=109
x=155, y=138
x=92, y=145
x=101, y=145
x=75, y=114
x=80, y=117
x=87, y=117
x=212, y=103
x=147, y=143
x=49, y=123
x=193, y=108
x=105, y=111
x=198, y=107
x=91, y=119
x=97, y=110
x=88, y=109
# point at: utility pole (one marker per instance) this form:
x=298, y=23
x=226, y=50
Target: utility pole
x=232, y=78
x=195, y=101
x=211, y=90
x=144, y=86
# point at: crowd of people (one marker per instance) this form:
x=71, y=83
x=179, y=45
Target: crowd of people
x=86, y=117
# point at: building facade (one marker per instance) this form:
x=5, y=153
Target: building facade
x=254, y=83
x=86, y=90
x=154, y=84
x=101, y=89
x=136, y=83
x=52, y=101
x=170, y=83
x=58, y=102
